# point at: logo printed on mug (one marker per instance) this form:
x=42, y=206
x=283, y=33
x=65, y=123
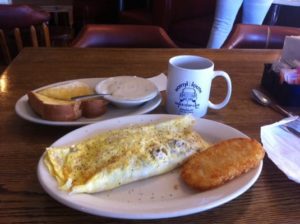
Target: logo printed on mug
x=189, y=84
x=188, y=95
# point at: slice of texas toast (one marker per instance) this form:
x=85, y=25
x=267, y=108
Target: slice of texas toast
x=55, y=104
x=93, y=107
x=54, y=109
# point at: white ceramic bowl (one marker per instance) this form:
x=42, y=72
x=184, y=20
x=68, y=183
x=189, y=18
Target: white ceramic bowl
x=127, y=91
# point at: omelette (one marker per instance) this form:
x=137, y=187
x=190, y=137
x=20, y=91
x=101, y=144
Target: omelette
x=110, y=159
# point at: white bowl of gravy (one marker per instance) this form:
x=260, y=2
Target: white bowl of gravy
x=127, y=91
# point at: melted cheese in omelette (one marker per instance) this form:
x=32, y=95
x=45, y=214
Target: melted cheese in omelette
x=118, y=157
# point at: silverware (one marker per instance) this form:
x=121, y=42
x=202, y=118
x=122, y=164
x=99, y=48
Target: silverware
x=264, y=100
x=91, y=96
x=290, y=130
x=291, y=127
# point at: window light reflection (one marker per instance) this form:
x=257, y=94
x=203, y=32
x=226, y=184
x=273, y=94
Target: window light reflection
x=3, y=82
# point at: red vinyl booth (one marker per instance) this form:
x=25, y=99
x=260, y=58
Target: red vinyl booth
x=188, y=22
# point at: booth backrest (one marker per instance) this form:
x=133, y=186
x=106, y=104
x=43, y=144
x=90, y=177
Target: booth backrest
x=188, y=22
x=123, y=36
x=259, y=37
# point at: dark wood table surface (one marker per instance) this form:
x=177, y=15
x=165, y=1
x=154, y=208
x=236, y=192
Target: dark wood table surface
x=273, y=198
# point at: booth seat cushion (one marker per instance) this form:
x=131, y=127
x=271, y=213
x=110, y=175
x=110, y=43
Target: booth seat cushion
x=138, y=36
x=260, y=37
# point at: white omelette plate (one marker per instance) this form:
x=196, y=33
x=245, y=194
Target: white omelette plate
x=24, y=110
x=157, y=197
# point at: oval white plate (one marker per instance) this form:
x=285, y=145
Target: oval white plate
x=24, y=110
x=157, y=197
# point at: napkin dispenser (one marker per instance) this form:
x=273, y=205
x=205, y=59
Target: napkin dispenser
x=285, y=94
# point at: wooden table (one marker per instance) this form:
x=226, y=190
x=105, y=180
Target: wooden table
x=273, y=198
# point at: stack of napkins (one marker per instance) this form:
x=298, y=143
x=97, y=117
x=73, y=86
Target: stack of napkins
x=289, y=64
x=283, y=147
x=291, y=50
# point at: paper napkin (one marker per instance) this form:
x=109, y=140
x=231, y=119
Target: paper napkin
x=291, y=49
x=160, y=81
x=283, y=147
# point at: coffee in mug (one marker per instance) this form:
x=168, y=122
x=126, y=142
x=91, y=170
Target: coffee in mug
x=189, y=84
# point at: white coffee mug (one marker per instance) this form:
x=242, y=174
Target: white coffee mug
x=189, y=84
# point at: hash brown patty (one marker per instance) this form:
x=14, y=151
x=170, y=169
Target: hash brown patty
x=222, y=162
